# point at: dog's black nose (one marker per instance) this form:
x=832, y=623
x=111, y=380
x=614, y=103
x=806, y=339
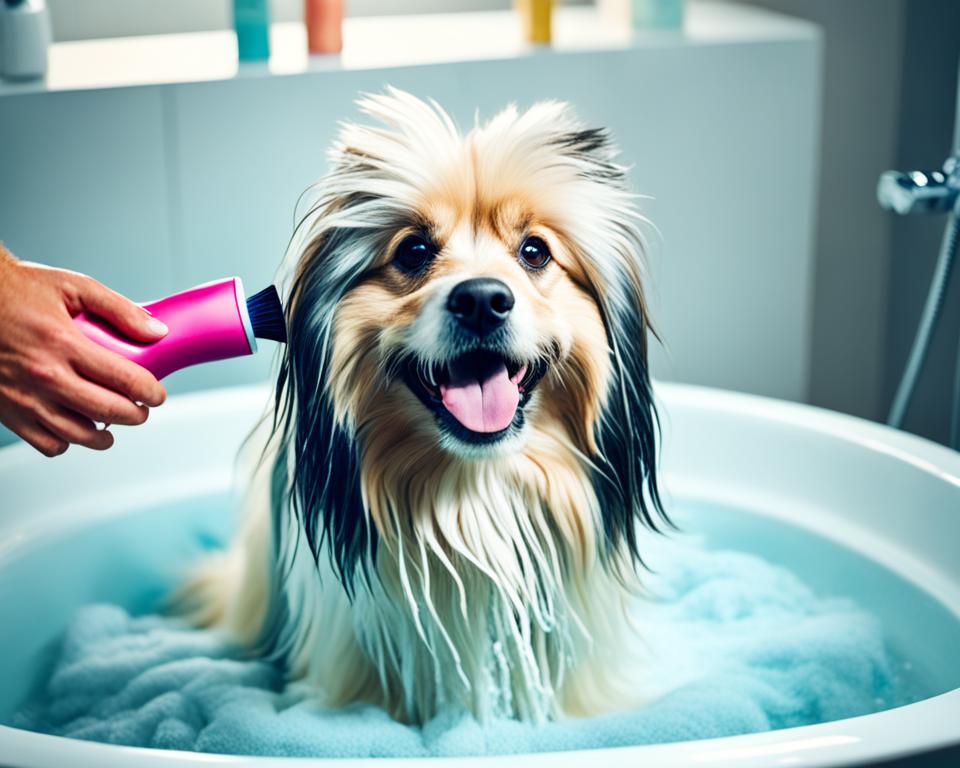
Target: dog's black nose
x=481, y=305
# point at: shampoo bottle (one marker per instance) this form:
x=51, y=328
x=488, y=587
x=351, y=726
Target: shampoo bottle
x=658, y=14
x=24, y=39
x=643, y=14
x=324, y=20
x=535, y=20
x=251, y=18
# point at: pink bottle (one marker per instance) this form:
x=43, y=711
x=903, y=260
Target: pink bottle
x=209, y=322
x=324, y=21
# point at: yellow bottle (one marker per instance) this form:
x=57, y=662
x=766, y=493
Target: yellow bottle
x=535, y=18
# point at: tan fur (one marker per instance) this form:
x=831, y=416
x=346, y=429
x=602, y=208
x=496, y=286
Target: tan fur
x=466, y=544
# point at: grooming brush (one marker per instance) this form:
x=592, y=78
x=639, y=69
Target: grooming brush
x=210, y=322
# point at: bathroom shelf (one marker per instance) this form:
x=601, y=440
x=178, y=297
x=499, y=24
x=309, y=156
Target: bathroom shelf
x=383, y=42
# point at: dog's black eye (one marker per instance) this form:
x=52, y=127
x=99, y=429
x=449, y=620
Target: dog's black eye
x=414, y=253
x=534, y=253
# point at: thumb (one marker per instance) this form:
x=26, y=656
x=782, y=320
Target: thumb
x=127, y=317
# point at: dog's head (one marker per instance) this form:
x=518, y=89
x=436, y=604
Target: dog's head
x=466, y=299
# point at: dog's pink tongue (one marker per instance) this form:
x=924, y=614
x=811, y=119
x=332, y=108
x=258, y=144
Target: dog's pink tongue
x=484, y=402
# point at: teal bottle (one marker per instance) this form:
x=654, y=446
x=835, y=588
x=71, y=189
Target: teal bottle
x=251, y=18
x=657, y=14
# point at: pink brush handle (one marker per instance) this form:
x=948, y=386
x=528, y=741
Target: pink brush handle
x=206, y=323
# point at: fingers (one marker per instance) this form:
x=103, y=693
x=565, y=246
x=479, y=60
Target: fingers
x=72, y=428
x=66, y=385
x=46, y=420
x=98, y=404
x=119, y=374
x=46, y=417
x=40, y=438
x=129, y=318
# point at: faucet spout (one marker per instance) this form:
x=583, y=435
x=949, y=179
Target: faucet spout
x=921, y=191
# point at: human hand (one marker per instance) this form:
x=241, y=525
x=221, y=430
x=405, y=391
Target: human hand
x=54, y=382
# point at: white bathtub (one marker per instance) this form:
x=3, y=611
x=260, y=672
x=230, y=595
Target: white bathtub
x=892, y=498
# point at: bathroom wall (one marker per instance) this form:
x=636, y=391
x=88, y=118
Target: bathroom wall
x=928, y=96
x=154, y=188
x=890, y=80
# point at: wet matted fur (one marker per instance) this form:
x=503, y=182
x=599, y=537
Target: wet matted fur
x=390, y=554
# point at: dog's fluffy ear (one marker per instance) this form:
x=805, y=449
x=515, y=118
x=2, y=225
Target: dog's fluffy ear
x=628, y=429
x=342, y=223
x=325, y=468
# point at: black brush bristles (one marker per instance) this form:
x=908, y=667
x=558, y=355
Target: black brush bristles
x=266, y=315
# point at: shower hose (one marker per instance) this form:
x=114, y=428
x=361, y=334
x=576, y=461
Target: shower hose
x=928, y=323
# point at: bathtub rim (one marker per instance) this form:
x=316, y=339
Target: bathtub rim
x=895, y=733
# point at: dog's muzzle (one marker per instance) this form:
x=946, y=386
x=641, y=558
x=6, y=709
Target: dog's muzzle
x=477, y=395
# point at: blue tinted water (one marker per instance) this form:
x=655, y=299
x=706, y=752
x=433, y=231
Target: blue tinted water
x=922, y=634
x=134, y=559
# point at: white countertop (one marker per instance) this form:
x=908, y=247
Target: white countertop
x=383, y=42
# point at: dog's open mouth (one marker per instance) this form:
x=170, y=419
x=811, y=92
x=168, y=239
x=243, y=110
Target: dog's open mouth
x=478, y=396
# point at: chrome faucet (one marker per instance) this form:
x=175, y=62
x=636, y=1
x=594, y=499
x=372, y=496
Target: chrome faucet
x=928, y=192
x=921, y=191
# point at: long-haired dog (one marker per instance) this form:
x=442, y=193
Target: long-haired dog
x=464, y=436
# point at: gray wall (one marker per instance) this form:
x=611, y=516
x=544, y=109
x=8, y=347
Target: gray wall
x=890, y=78
x=928, y=94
